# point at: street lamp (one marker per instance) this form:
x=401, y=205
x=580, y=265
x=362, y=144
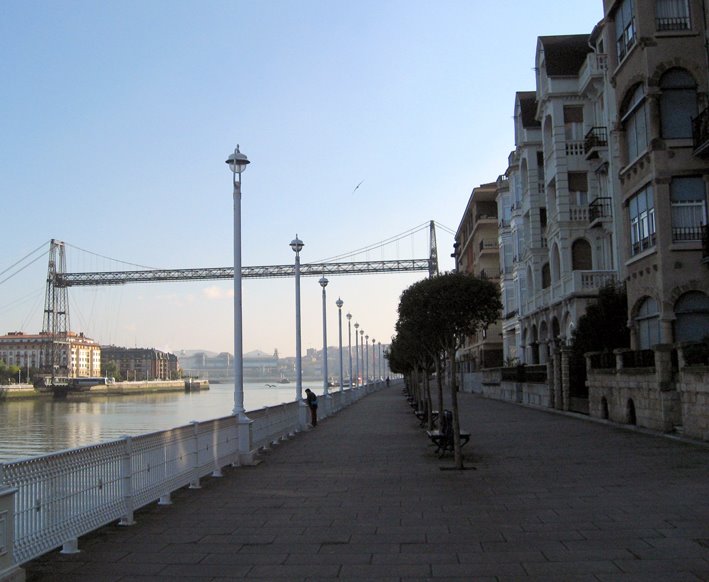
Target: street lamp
x=297, y=246
x=361, y=355
x=349, y=344
x=323, y=283
x=339, y=304
x=381, y=376
x=237, y=163
x=366, y=358
x=357, y=354
x=374, y=361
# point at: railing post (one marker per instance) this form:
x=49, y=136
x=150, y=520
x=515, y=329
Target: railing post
x=127, y=482
x=194, y=483
x=9, y=570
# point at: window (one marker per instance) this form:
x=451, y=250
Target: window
x=546, y=276
x=573, y=123
x=624, y=28
x=678, y=103
x=692, y=317
x=581, y=255
x=641, y=212
x=634, y=121
x=578, y=188
x=647, y=322
x=672, y=15
x=689, y=208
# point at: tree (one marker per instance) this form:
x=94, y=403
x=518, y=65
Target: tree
x=445, y=309
x=602, y=328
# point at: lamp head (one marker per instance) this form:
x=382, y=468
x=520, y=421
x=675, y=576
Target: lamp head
x=339, y=303
x=323, y=282
x=348, y=316
x=237, y=161
x=297, y=245
x=356, y=327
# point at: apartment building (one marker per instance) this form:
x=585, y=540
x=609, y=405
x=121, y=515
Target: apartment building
x=75, y=355
x=142, y=363
x=477, y=254
x=658, y=68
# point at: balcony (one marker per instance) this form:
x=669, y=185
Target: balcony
x=700, y=133
x=595, y=142
x=488, y=245
x=575, y=283
x=574, y=148
x=672, y=24
x=687, y=233
x=600, y=210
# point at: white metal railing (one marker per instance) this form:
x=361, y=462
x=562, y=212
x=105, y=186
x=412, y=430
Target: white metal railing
x=60, y=496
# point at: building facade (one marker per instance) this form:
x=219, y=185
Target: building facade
x=658, y=67
x=74, y=354
x=141, y=363
x=477, y=254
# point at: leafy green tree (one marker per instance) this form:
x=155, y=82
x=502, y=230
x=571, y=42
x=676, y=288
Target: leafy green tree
x=446, y=309
x=603, y=327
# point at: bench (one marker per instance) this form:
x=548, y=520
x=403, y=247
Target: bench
x=421, y=415
x=444, y=441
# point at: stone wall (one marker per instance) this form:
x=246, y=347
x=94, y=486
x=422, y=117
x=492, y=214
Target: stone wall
x=668, y=396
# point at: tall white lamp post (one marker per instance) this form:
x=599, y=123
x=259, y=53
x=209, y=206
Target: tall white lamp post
x=349, y=344
x=356, y=354
x=323, y=283
x=361, y=355
x=366, y=358
x=297, y=246
x=381, y=376
x=237, y=163
x=339, y=304
x=374, y=360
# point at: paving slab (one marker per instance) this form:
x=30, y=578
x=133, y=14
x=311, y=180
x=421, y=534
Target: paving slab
x=545, y=496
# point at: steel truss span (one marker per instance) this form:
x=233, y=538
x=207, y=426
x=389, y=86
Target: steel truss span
x=265, y=272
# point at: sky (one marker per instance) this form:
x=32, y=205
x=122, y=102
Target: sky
x=116, y=119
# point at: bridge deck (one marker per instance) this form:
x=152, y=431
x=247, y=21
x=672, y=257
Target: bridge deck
x=552, y=497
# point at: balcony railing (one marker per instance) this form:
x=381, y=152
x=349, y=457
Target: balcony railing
x=488, y=244
x=687, y=233
x=700, y=133
x=596, y=138
x=667, y=24
x=600, y=208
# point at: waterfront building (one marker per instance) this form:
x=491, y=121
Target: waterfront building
x=477, y=254
x=141, y=363
x=76, y=355
x=657, y=64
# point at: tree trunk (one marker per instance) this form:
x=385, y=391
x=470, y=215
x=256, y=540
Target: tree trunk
x=458, y=453
x=439, y=382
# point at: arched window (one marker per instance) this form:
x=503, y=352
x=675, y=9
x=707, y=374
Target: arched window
x=555, y=263
x=546, y=276
x=633, y=116
x=678, y=103
x=581, y=257
x=647, y=322
x=692, y=313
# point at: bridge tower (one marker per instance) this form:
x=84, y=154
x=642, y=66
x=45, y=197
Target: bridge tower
x=55, y=323
x=433, y=250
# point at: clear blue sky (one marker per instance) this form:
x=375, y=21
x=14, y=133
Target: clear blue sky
x=116, y=119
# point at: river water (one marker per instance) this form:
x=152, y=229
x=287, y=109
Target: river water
x=38, y=426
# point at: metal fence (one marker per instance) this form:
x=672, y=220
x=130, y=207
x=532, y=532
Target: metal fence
x=61, y=496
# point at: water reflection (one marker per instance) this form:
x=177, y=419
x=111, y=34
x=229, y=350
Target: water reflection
x=34, y=427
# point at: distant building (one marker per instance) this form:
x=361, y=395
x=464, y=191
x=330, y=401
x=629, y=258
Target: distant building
x=76, y=355
x=477, y=254
x=141, y=363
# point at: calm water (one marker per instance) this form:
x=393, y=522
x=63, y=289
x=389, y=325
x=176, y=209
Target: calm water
x=34, y=427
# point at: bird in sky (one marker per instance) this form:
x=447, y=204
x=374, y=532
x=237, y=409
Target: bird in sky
x=357, y=186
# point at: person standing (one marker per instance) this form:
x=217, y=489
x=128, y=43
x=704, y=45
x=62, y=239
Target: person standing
x=312, y=401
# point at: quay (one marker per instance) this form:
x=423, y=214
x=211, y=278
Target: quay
x=28, y=391
x=546, y=496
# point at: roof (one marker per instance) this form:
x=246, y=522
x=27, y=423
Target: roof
x=564, y=55
x=528, y=107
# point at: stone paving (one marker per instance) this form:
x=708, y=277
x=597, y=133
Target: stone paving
x=546, y=496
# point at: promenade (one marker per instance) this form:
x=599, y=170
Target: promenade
x=363, y=497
